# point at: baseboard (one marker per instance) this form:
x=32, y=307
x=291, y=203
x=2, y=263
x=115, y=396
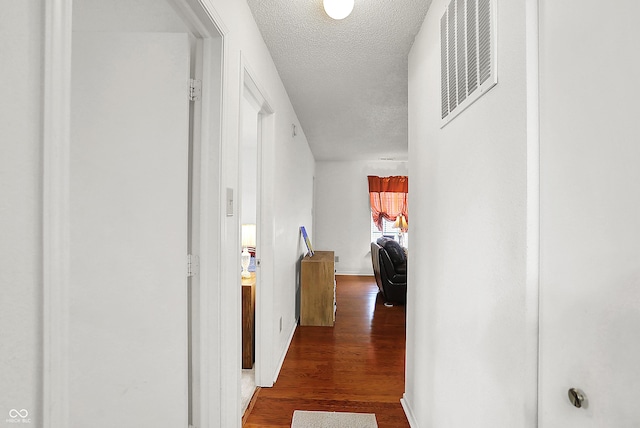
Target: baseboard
x=408, y=411
x=252, y=403
x=284, y=354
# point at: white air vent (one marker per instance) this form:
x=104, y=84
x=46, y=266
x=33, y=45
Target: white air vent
x=467, y=54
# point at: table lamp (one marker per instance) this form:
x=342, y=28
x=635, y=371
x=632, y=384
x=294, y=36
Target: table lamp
x=401, y=223
x=248, y=241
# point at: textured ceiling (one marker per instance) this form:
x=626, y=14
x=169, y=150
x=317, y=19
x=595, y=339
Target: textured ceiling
x=347, y=79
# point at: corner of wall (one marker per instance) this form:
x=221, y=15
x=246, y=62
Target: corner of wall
x=408, y=411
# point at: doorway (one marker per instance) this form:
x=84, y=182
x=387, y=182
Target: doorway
x=256, y=172
x=249, y=185
x=128, y=216
x=131, y=209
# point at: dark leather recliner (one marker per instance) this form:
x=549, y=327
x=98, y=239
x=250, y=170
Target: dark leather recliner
x=390, y=269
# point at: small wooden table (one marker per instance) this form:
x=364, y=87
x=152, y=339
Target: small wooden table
x=248, y=320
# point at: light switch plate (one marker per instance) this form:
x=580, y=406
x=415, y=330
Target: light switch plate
x=229, y=202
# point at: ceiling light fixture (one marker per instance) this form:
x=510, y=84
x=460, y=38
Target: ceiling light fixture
x=338, y=9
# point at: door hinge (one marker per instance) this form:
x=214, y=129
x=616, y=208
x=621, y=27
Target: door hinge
x=193, y=265
x=195, y=89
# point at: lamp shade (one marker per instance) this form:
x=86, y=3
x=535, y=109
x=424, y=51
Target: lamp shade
x=401, y=223
x=248, y=235
x=338, y=9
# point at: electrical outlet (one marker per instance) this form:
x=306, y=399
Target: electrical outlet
x=280, y=324
x=337, y=259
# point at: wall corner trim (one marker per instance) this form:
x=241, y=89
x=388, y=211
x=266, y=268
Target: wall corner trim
x=276, y=372
x=532, y=307
x=408, y=411
x=55, y=216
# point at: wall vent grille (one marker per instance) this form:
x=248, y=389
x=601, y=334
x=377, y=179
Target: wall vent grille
x=467, y=54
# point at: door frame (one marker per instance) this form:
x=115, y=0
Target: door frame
x=206, y=26
x=532, y=280
x=249, y=85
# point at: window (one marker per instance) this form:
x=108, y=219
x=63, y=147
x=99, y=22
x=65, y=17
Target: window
x=388, y=229
x=389, y=210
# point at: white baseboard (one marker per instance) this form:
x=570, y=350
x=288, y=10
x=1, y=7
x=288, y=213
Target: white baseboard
x=284, y=354
x=408, y=411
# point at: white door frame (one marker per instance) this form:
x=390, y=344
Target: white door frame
x=532, y=284
x=264, y=370
x=206, y=25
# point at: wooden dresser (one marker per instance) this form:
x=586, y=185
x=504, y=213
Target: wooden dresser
x=318, y=290
x=248, y=320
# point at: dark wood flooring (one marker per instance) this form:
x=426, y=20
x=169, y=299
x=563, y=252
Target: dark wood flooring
x=356, y=366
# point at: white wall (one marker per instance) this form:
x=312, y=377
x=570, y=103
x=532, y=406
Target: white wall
x=21, y=24
x=289, y=202
x=342, y=220
x=126, y=15
x=293, y=169
x=467, y=359
x=590, y=206
x=249, y=162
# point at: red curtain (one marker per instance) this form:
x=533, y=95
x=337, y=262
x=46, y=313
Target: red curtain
x=388, y=198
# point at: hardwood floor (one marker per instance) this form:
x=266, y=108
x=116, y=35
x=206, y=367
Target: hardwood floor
x=356, y=366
